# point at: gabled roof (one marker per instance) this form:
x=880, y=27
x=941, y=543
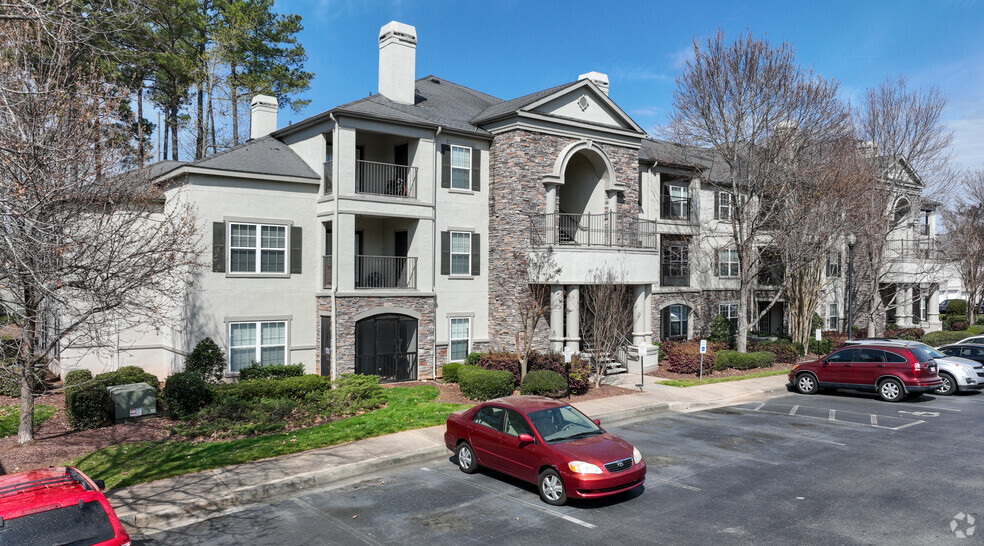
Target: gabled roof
x=265, y=156
x=510, y=106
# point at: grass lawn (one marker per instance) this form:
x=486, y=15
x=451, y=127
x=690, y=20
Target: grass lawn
x=709, y=380
x=128, y=464
x=10, y=418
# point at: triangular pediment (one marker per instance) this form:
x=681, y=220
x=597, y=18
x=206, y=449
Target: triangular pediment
x=899, y=169
x=584, y=103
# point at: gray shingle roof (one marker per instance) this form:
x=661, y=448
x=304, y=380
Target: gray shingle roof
x=509, y=106
x=265, y=155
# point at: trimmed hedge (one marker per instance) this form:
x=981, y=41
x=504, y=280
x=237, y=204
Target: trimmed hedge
x=544, y=383
x=473, y=358
x=87, y=406
x=185, y=394
x=912, y=334
x=684, y=356
x=354, y=393
x=721, y=329
x=958, y=325
x=784, y=351
x=449, y=372
x=275, y=371
x=956, y=307
x=294, y=388
x=745, y=361
x=480, y=384
x=977, y=328
x=10, y=380
x=944, y=337
x=822, y=347
x=207, y=360
x=127, y=375
x=580, y=371
x=77, y=377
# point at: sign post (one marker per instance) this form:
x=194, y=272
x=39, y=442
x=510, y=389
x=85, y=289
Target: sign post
x=568, y=354
x=703, y=349
x=643, y=353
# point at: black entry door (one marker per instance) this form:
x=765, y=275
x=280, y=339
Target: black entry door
x=386, y=345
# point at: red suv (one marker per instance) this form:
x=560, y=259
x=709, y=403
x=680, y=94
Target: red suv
x=890, y=370
x=57, y=505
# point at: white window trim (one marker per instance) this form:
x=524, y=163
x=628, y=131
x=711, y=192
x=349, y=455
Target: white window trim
x=259, y=341
x=452, y=339
x=468, y=169
x=736, y=262
x=451, y=253
x=833, y=313
x=722, y=206
x=258, y=249
x=684, y=323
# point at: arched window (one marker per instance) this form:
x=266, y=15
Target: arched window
x=675, y=322
x=902, y=210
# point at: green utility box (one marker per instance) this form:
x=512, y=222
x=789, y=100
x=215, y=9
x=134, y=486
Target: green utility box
x=133, y=401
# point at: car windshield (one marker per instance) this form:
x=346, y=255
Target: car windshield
x=70, y=525
x=562, y=424
x=929, y=350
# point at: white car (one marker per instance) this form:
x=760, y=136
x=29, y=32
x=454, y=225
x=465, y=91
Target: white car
x=958, y=374
x=971, y=339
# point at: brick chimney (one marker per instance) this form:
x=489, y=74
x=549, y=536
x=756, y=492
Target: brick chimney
x=397, y=62
x=262, y=116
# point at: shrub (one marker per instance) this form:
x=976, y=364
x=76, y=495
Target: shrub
x=980, y=321
x=87, y=406
x=684, y=356
x=207, y=360
x=234, y=417
x=784, y=351
x=127, y=375
x=274, y=371
x=544, y=383
x=77, y=377
x=956, y=307
x=580, y=376
x=185, y=394
x=293, y=388
x=659, y=348
x=449, y=372
x=483, y=384
x=944, y=337
x=816, y=323
x=10, y=380
x=836, y=338
x=913, y=334
x=9, y=347
x=958, y=326
x=473, y=358
x=502, y=360
x=821, y=347
x=721, y=329
x=354, y=393
x=976, y=329
x=745, y=361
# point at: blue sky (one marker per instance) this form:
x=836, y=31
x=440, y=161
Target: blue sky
x=510, y=48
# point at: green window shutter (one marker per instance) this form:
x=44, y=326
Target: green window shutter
x=445, y=253
x=218, y=247
x=445, y=166
x=476, y=259
x=295, y=250
x=476, y=157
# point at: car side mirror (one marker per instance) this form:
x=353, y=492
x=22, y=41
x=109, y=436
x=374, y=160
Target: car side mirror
x=100, y=484
x=597, y=422
x=525, y=438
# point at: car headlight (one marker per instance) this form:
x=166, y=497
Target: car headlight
x=636, y=456
x=582, y=467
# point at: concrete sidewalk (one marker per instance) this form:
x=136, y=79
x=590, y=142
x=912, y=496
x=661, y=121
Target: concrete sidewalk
x=165, y=504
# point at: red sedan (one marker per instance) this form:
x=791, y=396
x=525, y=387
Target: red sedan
x=547, y=442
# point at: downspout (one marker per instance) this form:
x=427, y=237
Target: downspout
x=435, y=257
x=334, y=269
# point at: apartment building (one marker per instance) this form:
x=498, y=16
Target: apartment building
x=376, y=237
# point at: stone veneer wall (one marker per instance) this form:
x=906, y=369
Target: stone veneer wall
x=703, y=307
x=519, y=160
x=348, y=307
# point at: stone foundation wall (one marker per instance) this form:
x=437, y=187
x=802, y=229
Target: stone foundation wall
x=703, y=306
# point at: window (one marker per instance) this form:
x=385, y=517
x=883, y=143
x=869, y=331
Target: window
x=834, y=264
x=516, y=424
x=461, y=167
x=490, y=416
x=871, y=355
x=724, y=205
x=676, y=259
x=461, y=253
x=257, y=248
x=262, y=342
x=678, y=320
x=460, y=343
x=832, y=316
x=844, y=355
x=728, y=263
x=730, y=312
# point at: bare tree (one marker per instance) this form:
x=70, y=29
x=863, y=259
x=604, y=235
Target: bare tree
x=964, y=221
x=538, y=269
x=83, y=241
x=907, y=151
x=608, y=317
x=754, y=110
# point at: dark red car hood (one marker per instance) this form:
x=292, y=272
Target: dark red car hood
x=598, y=449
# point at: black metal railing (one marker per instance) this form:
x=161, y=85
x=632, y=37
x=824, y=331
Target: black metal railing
x=604, y=229
x=385, y=272
x=385, y=179
x=902, y=250
x=388, y=366
x=923, y=230
x=675, y=208
x=675, y=274
x=328, y=189
x=326, y=263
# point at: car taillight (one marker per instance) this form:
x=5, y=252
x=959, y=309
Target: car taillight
x=916, y=367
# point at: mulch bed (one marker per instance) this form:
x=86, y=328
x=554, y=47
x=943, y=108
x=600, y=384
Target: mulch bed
x=56, y=443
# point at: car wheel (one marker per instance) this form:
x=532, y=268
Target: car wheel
x=891, y=390
x=949, y=385
x=552, y=487
x=466, y=458
x=806, y=383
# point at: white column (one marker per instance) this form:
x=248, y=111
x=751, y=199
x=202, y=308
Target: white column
x=904, y=314
x=933, y=307
x=550, y=221
x=639, y=314
x=573, y=330
x=557, y=317
x=649, y=314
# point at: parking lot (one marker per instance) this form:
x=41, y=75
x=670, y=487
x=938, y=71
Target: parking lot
x=831, y=468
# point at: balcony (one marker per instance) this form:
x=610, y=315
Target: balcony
x=385, y=272
x=326, y=267
x=385, y=179
x=675, y=274
x=904, y=250
x=592, y=230
x=675, y=208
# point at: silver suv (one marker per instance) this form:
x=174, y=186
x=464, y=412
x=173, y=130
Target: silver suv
x=958, y=374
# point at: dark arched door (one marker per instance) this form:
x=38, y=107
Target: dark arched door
x=386, y=345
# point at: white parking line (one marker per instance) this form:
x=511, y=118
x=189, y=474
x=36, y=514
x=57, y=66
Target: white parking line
x=833, y=415
x=874, y=420
x=793, y=411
